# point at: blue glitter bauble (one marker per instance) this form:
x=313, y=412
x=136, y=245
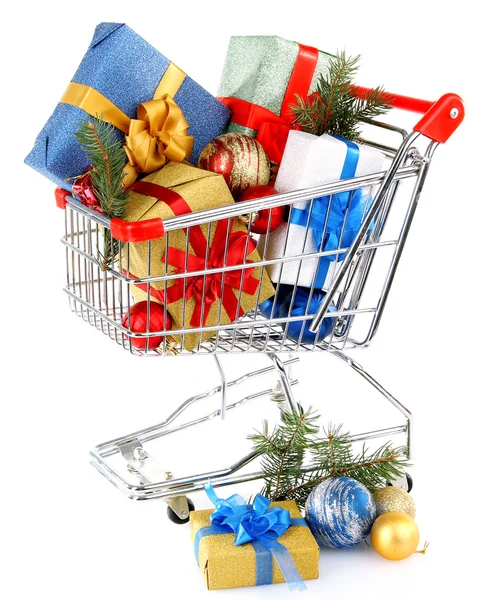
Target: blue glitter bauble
x=340, y=512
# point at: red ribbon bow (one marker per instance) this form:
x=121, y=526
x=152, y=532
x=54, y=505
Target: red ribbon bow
x=228, y=248
x=272, y=129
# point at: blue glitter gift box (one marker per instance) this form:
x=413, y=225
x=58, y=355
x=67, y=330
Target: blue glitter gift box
x=124, y=68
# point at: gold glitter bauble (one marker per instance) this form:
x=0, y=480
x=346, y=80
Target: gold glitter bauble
x=394, y=499
x=394, y=535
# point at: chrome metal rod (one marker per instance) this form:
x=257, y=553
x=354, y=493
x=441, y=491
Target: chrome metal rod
x=223, y=388
x=284, y=381
x=379, y=199
x=245, y=324
x=222, y=477
x=228, y=268
x=238, y=209
x=400, y=407
x=362, y=268
x=402, y=240
x=149, y=433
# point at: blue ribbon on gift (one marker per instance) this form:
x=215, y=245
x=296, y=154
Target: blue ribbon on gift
x=305, y=304
x=260, y=525
x=328, y=236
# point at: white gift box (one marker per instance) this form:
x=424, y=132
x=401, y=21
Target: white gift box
x=309, y=161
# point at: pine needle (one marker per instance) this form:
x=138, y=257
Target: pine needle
x=294, y=459
x=334, y=108
x=99, y=141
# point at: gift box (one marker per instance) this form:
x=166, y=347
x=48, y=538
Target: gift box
x=301, y=303
x=270, y=308
x=309, y=161
x=119, y=72
x=259, y=81
x=193, y=301
x=227, y=565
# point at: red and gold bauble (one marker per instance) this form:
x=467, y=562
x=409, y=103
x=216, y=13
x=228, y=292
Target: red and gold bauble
x=260, y=223
x=82, y=188
x=138, y=323
x=239, y=158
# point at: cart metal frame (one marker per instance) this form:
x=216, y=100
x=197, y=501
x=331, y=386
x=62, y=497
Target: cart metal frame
x=102, y=298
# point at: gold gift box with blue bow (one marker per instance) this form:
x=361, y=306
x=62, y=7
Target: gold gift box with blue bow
x=225, y=565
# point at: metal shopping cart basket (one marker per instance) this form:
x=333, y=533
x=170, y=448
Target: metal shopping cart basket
x=355, y=300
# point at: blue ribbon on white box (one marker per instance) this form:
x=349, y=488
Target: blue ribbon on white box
x=260, y=525
x=334, y=234
x=303, y=304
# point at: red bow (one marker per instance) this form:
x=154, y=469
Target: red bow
x=206, y=289
x=272, y=130
x=227, y=249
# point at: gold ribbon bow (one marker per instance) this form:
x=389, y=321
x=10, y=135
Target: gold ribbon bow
x=158, y=134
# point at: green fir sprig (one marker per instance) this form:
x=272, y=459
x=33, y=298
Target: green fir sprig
x=335, y=108
x=294, y=459
x=104, y=150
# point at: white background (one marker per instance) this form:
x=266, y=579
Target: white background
x=65, y=531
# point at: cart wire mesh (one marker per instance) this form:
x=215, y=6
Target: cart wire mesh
x=356, y=297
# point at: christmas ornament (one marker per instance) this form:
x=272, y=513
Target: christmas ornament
x=267, y=219
x=138, y=323
x=302, y=305
x=394, y=535
x=239, y=158
x=340, y=512
x=391, y=499
x=82, y=189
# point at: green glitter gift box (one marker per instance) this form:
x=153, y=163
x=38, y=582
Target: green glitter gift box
x=259, y=81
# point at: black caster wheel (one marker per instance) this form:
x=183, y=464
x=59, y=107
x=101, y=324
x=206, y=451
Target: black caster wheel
x=175, y=518
x=405, y=485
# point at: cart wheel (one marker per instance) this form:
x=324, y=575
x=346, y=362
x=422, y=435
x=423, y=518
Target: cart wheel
x=406, y=482
x=175, y=518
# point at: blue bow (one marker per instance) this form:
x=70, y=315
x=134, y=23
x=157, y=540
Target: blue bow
x=334, y=234
x=300, y=307
x=259, y=524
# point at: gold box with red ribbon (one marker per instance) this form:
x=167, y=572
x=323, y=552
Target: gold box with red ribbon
x=208, y=299
x=261, y=76
x=158, y=109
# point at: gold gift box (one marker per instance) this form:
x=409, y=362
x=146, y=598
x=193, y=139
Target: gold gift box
x=201, y=190
x=225, y=565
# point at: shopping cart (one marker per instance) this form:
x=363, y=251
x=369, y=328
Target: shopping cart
x=356, y=299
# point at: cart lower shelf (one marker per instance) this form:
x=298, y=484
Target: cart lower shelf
x=128, y=464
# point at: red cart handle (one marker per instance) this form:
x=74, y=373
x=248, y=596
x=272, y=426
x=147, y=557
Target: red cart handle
x=139, y=231
x=441, y=118
x=124, y=231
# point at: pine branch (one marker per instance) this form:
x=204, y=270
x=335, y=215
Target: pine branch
x=285, y=453
x=370, y=471
x=262, y=437
x=286, y=450
x=335, y=108
x=99, y=141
